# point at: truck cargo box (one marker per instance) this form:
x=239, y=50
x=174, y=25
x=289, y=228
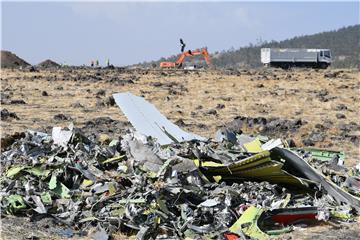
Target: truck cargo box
x=295, y=57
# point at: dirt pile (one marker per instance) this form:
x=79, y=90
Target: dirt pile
x=48, y=64
x=10, y=60
x=6, y=115
x=269, y=126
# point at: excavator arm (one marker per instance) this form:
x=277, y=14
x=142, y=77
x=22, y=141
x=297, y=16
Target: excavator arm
x=181, y=58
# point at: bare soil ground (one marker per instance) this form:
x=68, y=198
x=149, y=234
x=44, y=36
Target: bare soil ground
x=325, y=101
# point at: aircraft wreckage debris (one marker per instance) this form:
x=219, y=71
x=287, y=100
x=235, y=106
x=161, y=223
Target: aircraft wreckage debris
x=185, y=186
x=146, y=119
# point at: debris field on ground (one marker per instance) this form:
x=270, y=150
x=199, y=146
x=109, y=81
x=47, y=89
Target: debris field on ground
x=232, y=186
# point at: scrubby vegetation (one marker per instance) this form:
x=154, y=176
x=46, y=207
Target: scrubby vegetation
x=344, y=44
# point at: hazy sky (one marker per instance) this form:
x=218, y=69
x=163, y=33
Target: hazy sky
x=127, y=33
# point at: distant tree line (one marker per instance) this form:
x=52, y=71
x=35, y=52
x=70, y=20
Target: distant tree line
x=344, y=44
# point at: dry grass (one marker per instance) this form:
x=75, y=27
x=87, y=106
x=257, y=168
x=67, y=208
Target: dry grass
x=289, y=95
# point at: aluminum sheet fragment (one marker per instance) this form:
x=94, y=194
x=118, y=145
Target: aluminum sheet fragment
x=146, y=119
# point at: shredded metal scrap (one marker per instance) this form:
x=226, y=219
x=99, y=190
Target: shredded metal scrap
x=194, y=188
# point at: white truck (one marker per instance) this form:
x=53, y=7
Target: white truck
x=296, y=57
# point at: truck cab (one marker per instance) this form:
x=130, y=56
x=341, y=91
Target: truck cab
x=324, y=57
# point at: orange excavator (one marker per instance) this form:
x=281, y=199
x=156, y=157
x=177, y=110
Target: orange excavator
x=189, y=53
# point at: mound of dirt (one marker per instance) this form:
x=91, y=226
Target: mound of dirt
x=48, y=64
x=10, y=60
